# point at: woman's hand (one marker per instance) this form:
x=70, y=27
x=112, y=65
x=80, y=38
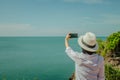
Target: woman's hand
x=67, y=37
x=66, y=40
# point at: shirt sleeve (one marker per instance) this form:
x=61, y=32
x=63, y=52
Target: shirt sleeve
x=101, y=75
x=73, y=55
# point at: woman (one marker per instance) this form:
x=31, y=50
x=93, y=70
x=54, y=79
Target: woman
x=88, y=64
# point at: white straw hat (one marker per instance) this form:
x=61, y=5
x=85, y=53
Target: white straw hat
x=88, y=42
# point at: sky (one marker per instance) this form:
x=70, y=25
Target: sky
x=58, y=17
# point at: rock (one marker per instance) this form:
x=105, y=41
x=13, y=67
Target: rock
x=113, y=61
x=72, y=77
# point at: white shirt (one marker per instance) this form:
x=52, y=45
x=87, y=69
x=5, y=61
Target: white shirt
x=87, y=67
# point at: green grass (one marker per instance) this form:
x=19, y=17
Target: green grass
x=111, y=73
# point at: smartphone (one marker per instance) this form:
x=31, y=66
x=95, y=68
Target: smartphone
x=73, y=35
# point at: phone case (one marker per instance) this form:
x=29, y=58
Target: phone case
x=73, y=35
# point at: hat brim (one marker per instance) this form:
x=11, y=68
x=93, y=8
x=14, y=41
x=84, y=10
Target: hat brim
x=86, y=47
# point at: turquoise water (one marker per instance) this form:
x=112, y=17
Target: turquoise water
x=35, y=58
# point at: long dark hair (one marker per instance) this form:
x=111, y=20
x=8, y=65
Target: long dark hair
x=87, y=52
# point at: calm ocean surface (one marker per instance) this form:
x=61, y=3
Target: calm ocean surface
x=35, y=58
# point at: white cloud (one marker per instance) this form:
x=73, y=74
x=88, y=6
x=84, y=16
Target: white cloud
x=106, y=19
x=85, y=1
x=92, y=1
x=28, y=30
x=105, y=25
x=111, y=19
x=17, y=30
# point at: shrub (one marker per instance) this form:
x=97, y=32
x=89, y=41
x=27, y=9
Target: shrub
x=111, y=73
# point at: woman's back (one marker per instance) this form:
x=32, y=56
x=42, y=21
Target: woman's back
x=89, y=67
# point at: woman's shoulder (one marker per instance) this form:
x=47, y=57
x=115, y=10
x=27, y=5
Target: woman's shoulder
x=100, y=58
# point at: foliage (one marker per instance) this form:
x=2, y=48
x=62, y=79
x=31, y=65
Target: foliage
x=113, y=40
x=110, y=44
x=111, y=73
x=102, y=47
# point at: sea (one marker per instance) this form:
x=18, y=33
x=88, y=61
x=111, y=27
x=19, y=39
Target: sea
x=36, y=58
